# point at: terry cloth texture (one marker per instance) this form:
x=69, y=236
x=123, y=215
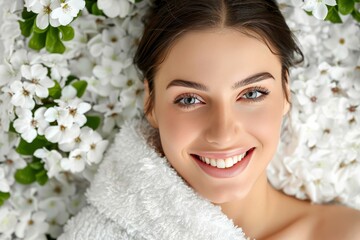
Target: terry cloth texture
x=137, y=195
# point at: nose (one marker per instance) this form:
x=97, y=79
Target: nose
x=223, y=126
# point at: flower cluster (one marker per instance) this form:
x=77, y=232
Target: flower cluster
x=67, y=83
x=58, y=109
x=332, y=10
x=320, y=151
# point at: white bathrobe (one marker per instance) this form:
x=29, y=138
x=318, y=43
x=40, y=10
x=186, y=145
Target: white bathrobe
x=137, y=195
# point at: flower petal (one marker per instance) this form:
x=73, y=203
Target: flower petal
x=320, y=12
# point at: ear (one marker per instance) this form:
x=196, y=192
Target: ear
x=150, y=116
x=287, y=104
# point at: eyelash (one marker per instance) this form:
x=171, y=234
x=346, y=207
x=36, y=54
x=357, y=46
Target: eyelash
x=263, y=91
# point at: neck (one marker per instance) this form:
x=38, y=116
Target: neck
x=255, y=212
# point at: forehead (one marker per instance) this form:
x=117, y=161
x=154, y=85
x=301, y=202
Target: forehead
x=209, y=50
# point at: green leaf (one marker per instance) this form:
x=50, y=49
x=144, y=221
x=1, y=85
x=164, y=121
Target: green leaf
x=67, y=33
x=41, y=177
x=95, y=10
x=356, y=15
x=37, y=165
x=80, y=87
x=333, y=15
x=345, y=6
x=88, y=4
x=39, y=30
x=25, y=148
x=93, y=122
x=137, y=1
x=4, y=195
x=27, y=15
x=70, y=79
x=53, y=43
x=26, y=26
x=55, y=91
x=25, y=175
x=37, y=41
x=11, y=128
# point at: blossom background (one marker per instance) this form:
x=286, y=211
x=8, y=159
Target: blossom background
x=67, y=85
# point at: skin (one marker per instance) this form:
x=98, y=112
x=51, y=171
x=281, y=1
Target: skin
x=221, y=119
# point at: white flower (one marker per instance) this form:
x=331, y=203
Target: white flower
x=23, y=94
x=44, y=8
x=318, y=7
x=336, y=108
x=37, y=75
x=30, y=3
x=112, y=109
x=52, y=206
x=32, y=226
x=76, y=202
x=62, y=132
x=109, y=72
x=56, y=113
x=58, y=66
x=67, y=11
x=27, y=125
x=96, y=45
x=74, y=143
x=10, y=160
x=10, y=31
x=76, y=161
x=24, y=198
x=60, y=186
x=75, y=110
x=4, y=185
x=114, y=8
x=115, y=37
x=65, y=130
x=52, y=160
x=22, y=57
x=67, y=93
x=56, y=214
x=8, y=74
x=343, y=39
x=93, y=145
x=8, y=221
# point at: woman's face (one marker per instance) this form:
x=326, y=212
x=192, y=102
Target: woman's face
x=218, y=96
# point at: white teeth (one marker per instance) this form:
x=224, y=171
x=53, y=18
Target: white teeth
x=229, y=162
x=220, y=163
x=223, y=163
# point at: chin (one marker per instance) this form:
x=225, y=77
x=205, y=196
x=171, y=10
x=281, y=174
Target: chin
x=223, y=196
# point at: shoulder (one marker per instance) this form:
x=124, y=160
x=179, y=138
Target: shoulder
x=336, y=222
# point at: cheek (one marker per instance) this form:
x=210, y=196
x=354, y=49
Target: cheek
x=264, y=124
x=177, y=129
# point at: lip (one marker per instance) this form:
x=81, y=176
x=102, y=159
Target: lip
x=233, y=171
x=222, y=155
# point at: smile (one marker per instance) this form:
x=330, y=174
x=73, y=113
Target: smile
x=223, y=163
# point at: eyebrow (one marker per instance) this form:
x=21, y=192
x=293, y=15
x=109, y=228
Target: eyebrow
x=246, y=81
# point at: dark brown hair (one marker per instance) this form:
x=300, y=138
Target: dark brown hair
x=169, y=19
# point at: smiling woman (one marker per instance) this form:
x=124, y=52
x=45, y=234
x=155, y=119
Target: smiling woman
x=216, y=93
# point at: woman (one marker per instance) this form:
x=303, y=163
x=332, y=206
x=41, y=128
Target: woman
x=216, y=91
